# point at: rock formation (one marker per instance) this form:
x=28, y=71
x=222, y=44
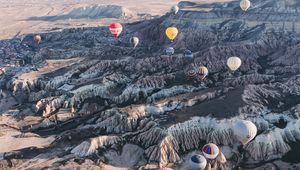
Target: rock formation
x=93, y=99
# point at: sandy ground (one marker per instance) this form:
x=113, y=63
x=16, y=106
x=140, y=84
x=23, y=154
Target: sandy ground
x=14, y=140
x=14, y=14
x=52, y=65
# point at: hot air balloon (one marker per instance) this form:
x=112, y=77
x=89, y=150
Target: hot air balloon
x=170, y=51
x=175, y=9
x=210, y=151
x=188, y=55
x=134, y=41
x=221, y=158
x=171, y=33
x=192, y=71
x=234, y=63
x=37, y=39
x=244, y=131
x=203, y=72
x=198, y=162
x=115, y=29
x=245, y=5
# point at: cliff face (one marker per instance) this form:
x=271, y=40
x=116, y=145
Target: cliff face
x=97, y=98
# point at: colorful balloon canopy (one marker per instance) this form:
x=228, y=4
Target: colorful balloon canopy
x=234, y=63
x=115, y=29
x=134, y=41
x=203, y=72
x=175, y=9
x=171, y=33
x=170, y=51
x=245, y=5
x=37, y=39
x=192, y=71
x=245, y=131
x=198, y=162
x=210, y=151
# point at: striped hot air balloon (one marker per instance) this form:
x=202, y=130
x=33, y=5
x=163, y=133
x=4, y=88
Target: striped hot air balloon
x=210, y=151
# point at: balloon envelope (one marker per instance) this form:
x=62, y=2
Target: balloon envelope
x=134, y=41
x=245, y=5
x=188, y=54
x=203, y=72
x=175, y=9
x=234, y=63
x=171, y=33
x=244, y=131
x=170, y=51
x=221, y=158
x=210, y=151
x=192, y=72
x=198, y=162
x=115, y=29
x=37, y=39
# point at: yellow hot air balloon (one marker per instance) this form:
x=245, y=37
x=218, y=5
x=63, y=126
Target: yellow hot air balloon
x=171, y=33
x=203, y=72
x=234, y=63
x=244, y=131
x=245, y=5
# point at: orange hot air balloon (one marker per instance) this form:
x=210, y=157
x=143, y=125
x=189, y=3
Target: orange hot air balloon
x=115, y=29
x=37, y=39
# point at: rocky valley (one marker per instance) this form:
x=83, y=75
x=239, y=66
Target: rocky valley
x=86, y=100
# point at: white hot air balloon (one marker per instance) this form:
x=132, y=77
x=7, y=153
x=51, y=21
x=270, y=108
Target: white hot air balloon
x=245, y=131
x=170, y=51
x=210, y=151
x=245, y=5
x=134, y=41
x=198, y=162
x=234, y=63
x=175, y=9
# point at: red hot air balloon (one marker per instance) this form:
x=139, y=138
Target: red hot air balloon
x=37, y=39
x=115, y=29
